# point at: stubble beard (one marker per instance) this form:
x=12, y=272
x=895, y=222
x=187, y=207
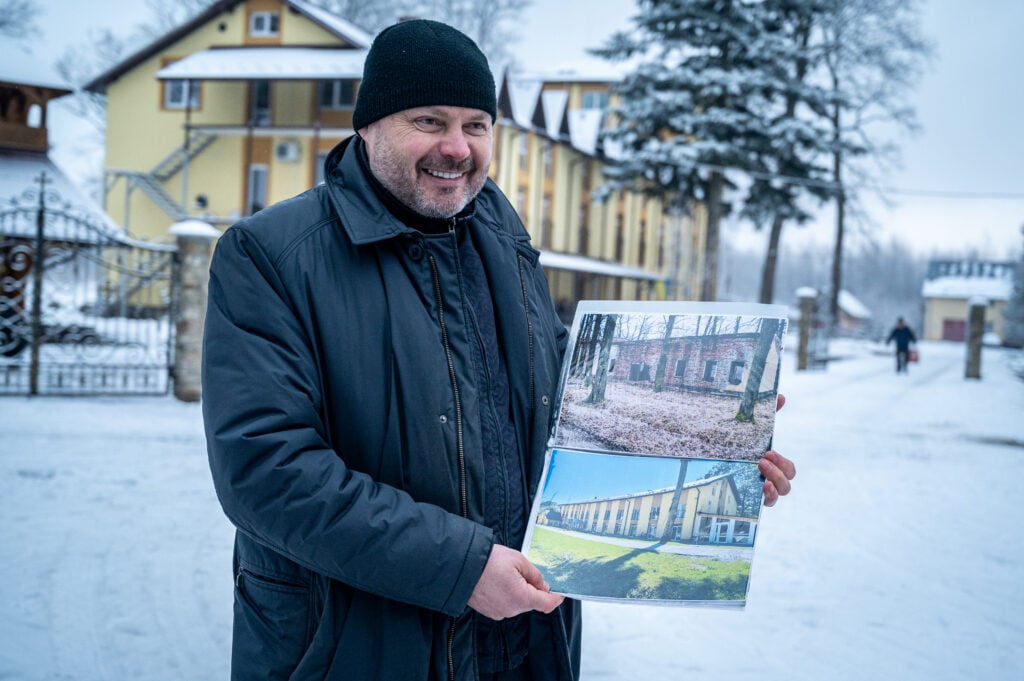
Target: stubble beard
x=393, y=173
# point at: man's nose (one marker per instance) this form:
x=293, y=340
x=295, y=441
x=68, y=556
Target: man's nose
x=454, y=144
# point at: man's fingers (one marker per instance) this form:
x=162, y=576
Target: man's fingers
x=545, y=601
x=780, y=402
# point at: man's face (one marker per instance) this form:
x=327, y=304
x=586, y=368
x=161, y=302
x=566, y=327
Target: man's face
x=434, y=159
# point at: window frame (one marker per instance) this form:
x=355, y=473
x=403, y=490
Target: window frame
x=273, y=28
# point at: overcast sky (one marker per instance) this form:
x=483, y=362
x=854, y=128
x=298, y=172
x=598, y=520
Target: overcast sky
x=962, y=182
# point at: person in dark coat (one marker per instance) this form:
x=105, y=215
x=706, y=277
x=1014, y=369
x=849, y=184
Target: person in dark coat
x=904, y=336
x=380, y=363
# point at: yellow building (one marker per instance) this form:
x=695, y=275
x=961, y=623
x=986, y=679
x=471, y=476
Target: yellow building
x=706, y=514
x=228, y=113
x=950, y=287
x=237, y=108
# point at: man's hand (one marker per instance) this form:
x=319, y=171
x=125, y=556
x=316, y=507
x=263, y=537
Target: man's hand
x=777, y=470
x=510, y=585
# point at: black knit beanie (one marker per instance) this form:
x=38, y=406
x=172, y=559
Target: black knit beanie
x=423, y=63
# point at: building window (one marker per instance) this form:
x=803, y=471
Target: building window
x=257, y=195
x=521, y=204
x=680, y=368
x=548, y=163
x=595, y=100
x=524, y=152
x=260, y=102
x=709, y=369
x=264, y=24
x=736, y=372
x=181, y=94
x=546, y=224
x=337, y=94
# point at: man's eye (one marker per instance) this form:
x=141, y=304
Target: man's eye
x=427, y=123
x=477, y=129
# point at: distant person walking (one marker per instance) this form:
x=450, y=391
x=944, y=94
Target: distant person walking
x=903, y=336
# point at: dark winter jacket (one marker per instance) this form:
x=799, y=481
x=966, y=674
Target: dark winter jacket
x=903, y=337
x=344, y=439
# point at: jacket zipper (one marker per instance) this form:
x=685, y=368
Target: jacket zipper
x=460, y=446
x=529, y=327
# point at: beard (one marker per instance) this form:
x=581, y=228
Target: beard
x=404, y=181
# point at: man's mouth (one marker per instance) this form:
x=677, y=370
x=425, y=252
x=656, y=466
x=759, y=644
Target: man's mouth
x=444, y=175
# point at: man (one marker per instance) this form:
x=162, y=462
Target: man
x=903, y=336
x=379, y=370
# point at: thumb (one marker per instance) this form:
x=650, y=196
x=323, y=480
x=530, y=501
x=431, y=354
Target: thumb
x=532, y=575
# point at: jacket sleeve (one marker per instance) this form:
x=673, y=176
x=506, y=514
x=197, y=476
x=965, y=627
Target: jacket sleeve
x=275, y=475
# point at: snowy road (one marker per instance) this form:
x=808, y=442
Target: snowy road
x=896, y=556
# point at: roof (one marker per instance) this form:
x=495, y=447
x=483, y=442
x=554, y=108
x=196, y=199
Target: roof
x=852, y=306
x=579, y=263
x=19, y=173
x=664, y=490
x=345, y=31
x=968, y=279
x=274, y=63
x=21, y=67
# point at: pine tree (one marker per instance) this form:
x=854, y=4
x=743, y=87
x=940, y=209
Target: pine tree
x=708, y=82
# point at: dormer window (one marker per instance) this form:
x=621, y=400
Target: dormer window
x=595, y=100
x=264, y=24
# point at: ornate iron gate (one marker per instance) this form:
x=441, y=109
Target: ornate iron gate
x=84, y=309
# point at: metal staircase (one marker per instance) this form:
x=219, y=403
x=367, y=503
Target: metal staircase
x=168, y=167
x=151, y=183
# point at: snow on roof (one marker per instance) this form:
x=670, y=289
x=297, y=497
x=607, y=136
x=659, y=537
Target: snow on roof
x=966, y=287
x=19, y=172
x=579, y=263
x=554, y=103
x=966, y=279
x=582, y=70
x=341, y=27
x=20, y=66
x=849, y=304
x=585, y=129
x=523, y=96
x=277, y=63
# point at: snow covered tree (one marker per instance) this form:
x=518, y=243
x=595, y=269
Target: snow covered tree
x=874, y=54
x=709, y=79
x=18, y=18
x=797, y=136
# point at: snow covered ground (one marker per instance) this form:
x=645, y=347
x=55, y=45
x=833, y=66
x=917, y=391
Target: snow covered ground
x=897, y=556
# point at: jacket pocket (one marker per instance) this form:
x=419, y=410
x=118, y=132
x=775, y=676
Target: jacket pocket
x=272, y=625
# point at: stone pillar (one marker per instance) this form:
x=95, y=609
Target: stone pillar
x=195, y=247
x=975, y=332
x=808, y=298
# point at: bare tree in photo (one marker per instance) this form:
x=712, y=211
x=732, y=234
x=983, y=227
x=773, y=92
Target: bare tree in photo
x=601, y=376
x=659, y=374
x=673, y=507
x=769, y=330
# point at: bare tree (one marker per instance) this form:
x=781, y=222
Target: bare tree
x=874, y=54
x=659, y=374
x=18, y=18
x=673, y=508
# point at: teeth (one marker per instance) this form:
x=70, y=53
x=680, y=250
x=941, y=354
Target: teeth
x=443, y=175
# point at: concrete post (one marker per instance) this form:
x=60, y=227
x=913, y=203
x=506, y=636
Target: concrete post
x=808, y=298
x=195, y=248
x=975, y=331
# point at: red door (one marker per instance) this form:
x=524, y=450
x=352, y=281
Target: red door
x=954, y=329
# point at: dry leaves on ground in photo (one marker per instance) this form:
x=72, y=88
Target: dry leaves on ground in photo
x=633, y=418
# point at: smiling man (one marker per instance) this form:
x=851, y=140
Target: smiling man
x=379, y=371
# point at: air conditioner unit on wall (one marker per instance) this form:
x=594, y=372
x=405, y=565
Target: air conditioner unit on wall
x=288, y=152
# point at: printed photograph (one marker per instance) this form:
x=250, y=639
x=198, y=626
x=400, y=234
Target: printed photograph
x=611, y=526
x=689, y=385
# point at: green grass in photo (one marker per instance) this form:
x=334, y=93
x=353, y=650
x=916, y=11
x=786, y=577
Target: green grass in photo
x=576, y=565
